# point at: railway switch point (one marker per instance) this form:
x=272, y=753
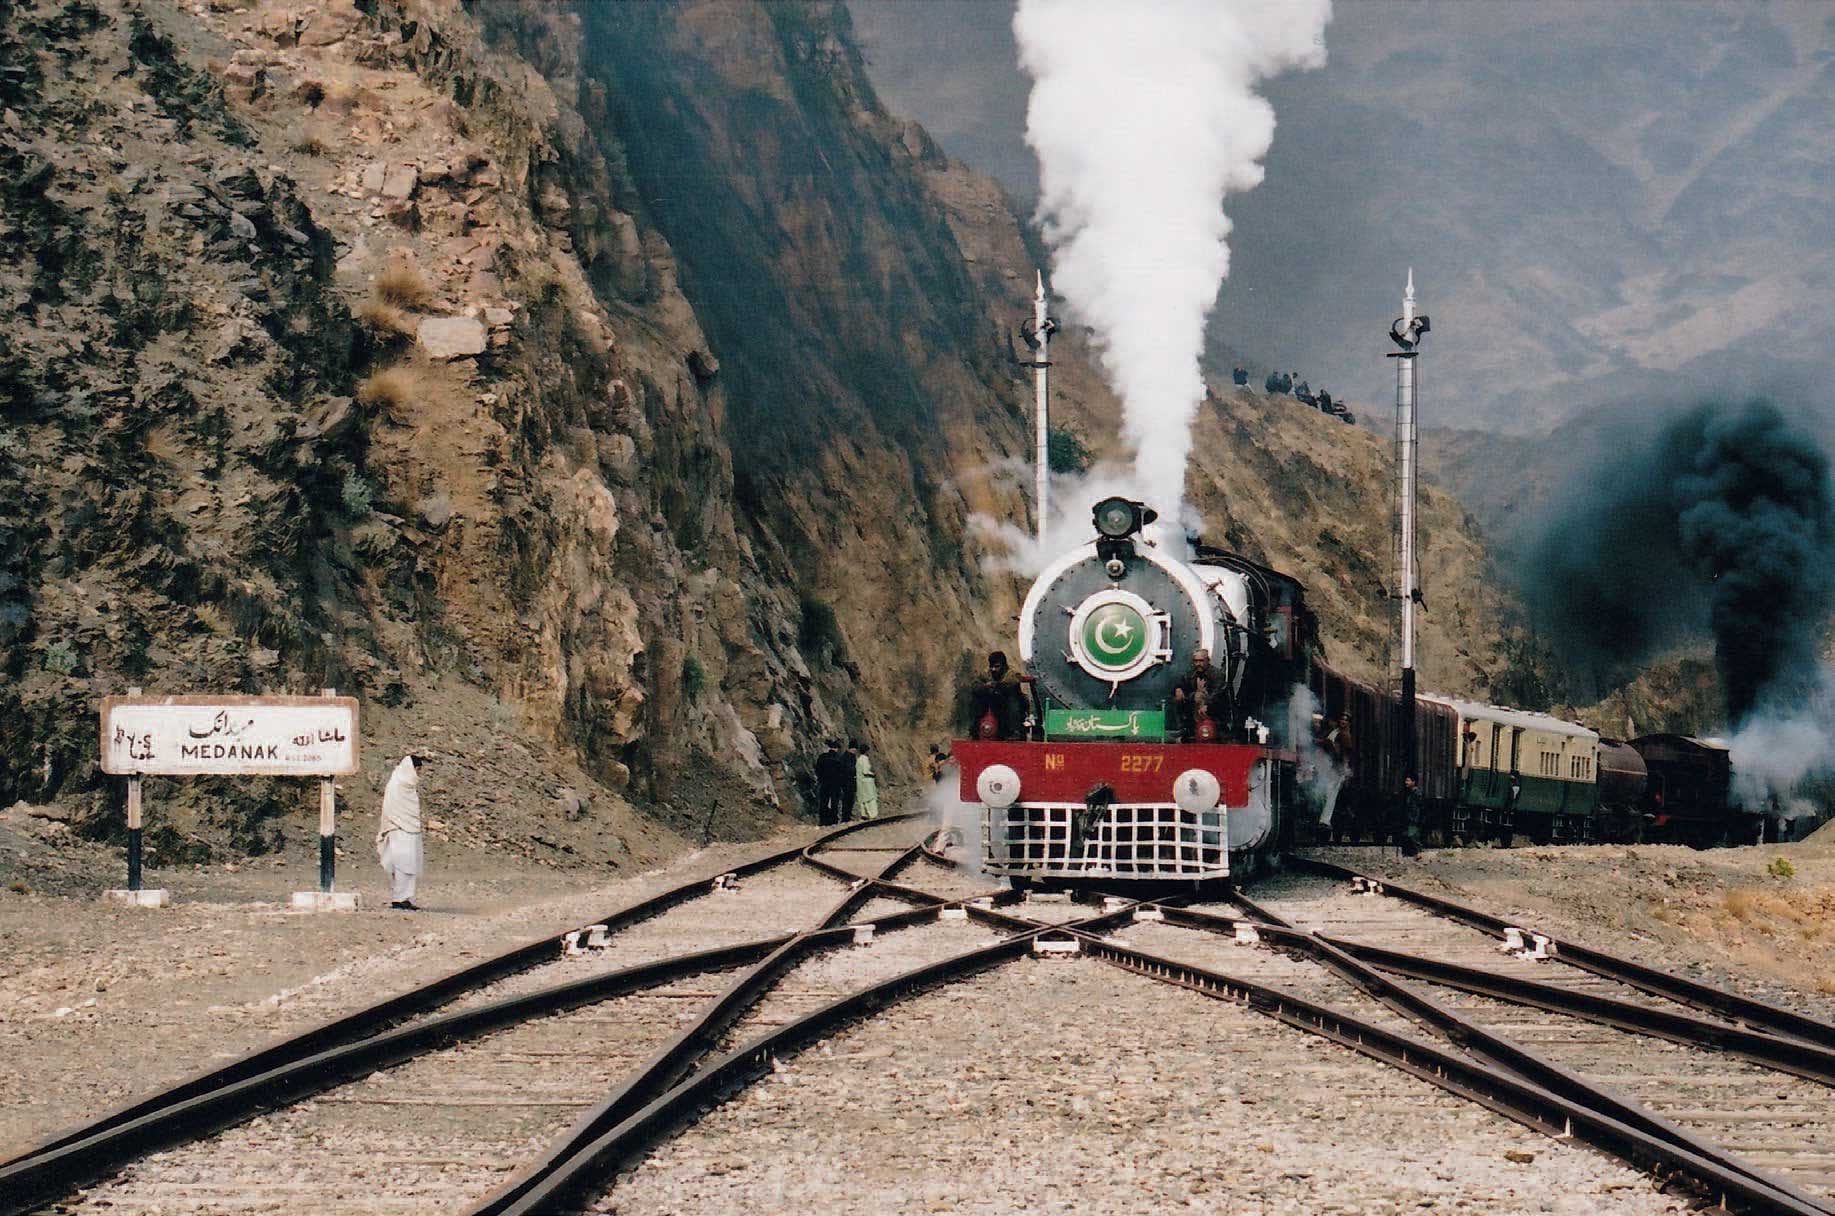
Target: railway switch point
x=1056, y=947
x=952, y=913
x=324, y=901
x=863, y=935
x=1149, y=914
x=1246, y=934
x=143, y=898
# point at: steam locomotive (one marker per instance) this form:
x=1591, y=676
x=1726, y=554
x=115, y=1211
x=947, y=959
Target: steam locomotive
x=1113, y=776
x=1102, y=786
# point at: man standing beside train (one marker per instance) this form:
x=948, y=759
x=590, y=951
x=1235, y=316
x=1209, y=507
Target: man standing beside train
x=833, y=769
x=1411, y=817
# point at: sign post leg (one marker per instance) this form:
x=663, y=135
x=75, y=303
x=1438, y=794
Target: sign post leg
x=134, y=895
x=133, y=833
x=328, y=834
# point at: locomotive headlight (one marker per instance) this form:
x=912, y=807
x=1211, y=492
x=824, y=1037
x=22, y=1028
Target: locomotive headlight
x=998, y=786
x=1120, y=517
x=1115, y=518
x=1196, y=790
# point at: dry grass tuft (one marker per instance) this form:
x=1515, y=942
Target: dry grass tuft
x=401, y=283
x=395, y=388
x=385, y=319
x=1740, y=904
x=163, y=442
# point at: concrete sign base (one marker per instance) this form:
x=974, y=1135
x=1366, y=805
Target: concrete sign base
x=160, y=898
x=324, y=901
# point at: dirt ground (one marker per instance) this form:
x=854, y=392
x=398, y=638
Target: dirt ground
x=99, y=1003
x=1761, y=918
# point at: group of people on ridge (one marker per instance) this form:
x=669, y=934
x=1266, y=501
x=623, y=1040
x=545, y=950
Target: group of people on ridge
x=846, y=783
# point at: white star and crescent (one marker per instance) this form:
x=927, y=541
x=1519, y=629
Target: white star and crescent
x=1121, y=628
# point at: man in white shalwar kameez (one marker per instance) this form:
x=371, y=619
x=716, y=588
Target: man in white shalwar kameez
x=398, y=837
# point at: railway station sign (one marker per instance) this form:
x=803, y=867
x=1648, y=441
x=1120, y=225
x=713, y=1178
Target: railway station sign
x=1105, y=724
x=240, y=736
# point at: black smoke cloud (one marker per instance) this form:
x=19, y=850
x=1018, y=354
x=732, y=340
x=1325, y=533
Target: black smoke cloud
x=1720, y=518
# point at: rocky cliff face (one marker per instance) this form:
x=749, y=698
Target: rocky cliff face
x=603, y=392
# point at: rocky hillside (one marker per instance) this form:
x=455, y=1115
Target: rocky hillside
x=601, y=392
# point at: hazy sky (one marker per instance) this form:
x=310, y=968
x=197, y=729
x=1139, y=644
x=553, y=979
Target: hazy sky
x=1601, y=200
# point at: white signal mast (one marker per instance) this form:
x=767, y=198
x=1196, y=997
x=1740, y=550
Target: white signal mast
x=1038, y=336
x=1406, y=333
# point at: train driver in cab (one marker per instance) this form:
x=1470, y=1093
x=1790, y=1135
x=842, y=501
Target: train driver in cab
x=1202, y=686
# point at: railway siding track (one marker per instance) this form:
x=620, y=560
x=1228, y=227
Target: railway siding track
x=1736, y=1007
x=1556, y=1073
x=394, y=1010
x=388, y=1033
x=1498, y=1088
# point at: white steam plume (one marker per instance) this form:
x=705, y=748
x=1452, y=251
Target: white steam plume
x=1321, y=776
x=1144, y=117
x=959, y=821
x=1778, y=748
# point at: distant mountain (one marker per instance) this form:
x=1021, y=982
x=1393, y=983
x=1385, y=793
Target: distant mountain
x=1602, y=202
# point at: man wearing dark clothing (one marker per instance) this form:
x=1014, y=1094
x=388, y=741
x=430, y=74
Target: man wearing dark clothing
x=829, y=783
x=1000, y=692
x=1202, y=686
x=1411, y=817
x=850, y=781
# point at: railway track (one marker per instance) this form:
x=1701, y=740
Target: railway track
x=524, y=1083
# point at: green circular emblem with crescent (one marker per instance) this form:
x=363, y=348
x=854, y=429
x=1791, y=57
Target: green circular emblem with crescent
x=1114, y=636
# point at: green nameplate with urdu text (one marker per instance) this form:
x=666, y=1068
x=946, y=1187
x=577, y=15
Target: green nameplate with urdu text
x=1105, y=724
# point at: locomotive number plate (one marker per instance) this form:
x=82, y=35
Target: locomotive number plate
x=1142, y=764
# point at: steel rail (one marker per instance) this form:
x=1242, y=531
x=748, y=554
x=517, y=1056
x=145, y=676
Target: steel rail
x=1781, y=1054
x=1752, y=1013
x=1497, y=1088
x=588, y=1160
x=669, y=1064
x=45, y=1176
x=1498, y=1050
x=392, y=1011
